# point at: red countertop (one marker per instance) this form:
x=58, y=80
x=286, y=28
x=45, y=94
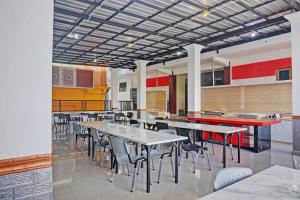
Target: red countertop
x=235, y=121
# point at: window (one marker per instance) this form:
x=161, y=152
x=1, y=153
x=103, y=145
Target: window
x=207, y=80
x=122, y=87
x=284, y=74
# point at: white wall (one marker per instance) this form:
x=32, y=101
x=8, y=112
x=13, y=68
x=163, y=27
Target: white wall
x=25, y=77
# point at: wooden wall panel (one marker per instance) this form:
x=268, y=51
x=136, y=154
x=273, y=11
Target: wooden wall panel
x=270, y=98
x=156, y=101
x=225, y=99
x=275, y=98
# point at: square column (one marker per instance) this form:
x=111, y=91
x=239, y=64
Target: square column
x=294, y=19
x=114, y=78
x=141, y=88
x=194, y=80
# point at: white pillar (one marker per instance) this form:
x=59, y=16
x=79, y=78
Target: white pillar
x=141, y=88
x=114, y=89
x=194, y=79
x=294, y=19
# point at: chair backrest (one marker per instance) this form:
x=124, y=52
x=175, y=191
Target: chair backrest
x=168, y=131
x=118, y=146
x=228, y=176
x=161, y=125
x=186, y=133
x=93, y=116
x=129, y=115
x=159, y=118
x=135, y=125
x=94, y=133
x=133, y=121
x=77, y=128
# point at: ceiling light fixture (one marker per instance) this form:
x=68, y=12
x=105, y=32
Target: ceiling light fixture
x=95, y=60
x=253, y=34
x=130, y=44
x=178, y=53
x=72, y=35
x=205, y=12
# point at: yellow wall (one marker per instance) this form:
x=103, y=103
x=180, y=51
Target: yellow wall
x=97, y=93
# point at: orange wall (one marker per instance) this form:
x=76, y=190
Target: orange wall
x=59, y=93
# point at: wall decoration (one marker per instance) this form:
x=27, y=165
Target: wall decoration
x=55, y=76
x=84, y=78
x=67, y=77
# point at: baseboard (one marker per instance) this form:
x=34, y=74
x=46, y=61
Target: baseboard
x=26, y=163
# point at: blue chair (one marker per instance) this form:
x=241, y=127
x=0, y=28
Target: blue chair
x=79, y=132
x=161, y=155
x=98, y=141
x=123, y=157
x=228, y=176
x=167, y=154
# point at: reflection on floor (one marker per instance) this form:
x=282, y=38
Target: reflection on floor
x=76, y=176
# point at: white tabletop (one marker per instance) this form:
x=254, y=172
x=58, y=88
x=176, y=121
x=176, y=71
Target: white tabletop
x=194, y=126
x=138, y=135
x=273, y=183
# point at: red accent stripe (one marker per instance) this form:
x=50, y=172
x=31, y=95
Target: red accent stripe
x=260, y=69
x=161, y=81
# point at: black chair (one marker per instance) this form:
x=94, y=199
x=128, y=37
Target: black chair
x=161, y=126
x=119, y=117
x=61, y=124
x=129, y=115
x=188, y=146
x=133, y=121
x=92, y=116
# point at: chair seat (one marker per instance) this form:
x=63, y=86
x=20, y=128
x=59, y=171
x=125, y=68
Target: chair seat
x=192, y=147
x=124, y=160
x=102, y=143
x=153, y=153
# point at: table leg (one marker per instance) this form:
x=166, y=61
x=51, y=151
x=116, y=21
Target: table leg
x=177, y=147
x=239, y=147
x=148, y=169
x=89, y=141
x=224, y=151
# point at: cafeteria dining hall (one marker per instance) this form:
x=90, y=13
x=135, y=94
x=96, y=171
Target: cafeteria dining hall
x=150, y=99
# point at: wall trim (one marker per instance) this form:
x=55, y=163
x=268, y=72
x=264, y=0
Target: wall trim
x=26, y=163
x=296, y=117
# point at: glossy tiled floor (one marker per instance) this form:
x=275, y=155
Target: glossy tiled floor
x=76, y=176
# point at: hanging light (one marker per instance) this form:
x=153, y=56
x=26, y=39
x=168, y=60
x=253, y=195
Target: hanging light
x=253, y=34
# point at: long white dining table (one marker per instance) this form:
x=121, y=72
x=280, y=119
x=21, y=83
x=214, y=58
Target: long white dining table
x=141, y=136
x=224, y=131
x=276, y=182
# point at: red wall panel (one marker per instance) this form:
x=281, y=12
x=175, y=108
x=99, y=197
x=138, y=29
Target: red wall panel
x=161, y=81
x=260, y=69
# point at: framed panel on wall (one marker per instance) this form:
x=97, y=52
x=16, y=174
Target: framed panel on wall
x=84, y=78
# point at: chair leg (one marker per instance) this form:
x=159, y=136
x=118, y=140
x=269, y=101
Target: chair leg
x=152, y=164
x=172, y=165
x=208, y=160
x=128, y=170
x=133, y=177
x=160, y=168
x=231, y=150
x=196, y=155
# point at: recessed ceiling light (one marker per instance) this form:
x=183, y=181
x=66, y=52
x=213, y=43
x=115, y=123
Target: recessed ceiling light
x=95, y=60
x=253, y=34
x=130, y=44
x=72, y=35
x=178, y=53
x=205, y=13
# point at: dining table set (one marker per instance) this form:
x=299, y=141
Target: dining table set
x=148, y=138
